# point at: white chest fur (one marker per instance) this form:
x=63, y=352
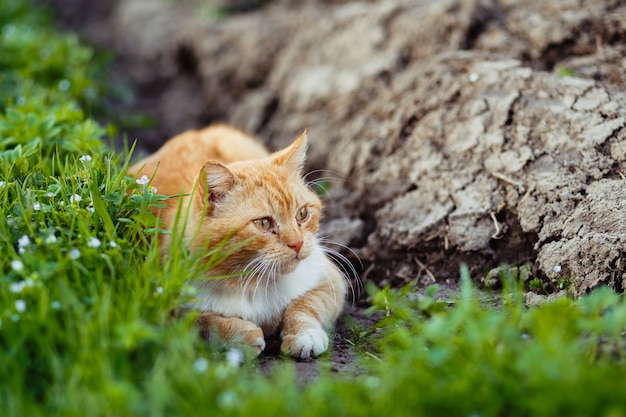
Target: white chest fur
x=264, y=301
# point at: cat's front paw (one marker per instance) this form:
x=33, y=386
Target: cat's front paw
x=248, y=334
x=310, y=342
x=231, y=331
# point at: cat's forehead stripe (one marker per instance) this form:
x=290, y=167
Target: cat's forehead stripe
x=279, y=197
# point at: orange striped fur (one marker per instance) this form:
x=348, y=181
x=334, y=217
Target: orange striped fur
x=279, y=276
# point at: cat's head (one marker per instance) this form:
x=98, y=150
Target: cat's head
x=263, y=208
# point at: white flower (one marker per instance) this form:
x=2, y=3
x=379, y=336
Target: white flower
x=113, y=244
x=159, y=290
x=2, y=184
x=234, y=357
x=143, y=180
x=201, y=365
x=50, y=194
x=36, y=206
x=23, y=241
x=17, y=265
x=20, y=306
x=153, y=190
x=17, y=287
x=75, y=198
x=55, y=305
x=64, y=85
x=74, y=254
x=85, y=158
x=94, y=242
x=557, y=268
x=51, y=239
x=91, y=209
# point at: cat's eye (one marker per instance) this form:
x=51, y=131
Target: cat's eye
x=263, y=224
x=302, y=214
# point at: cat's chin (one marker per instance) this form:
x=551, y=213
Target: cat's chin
x=289, y=266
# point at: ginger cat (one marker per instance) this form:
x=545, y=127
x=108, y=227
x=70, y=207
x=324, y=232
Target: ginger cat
x=280, y=277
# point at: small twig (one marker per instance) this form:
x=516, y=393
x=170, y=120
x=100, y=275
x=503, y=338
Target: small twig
x=509, y=180
x=367, y=272
x=497, y=235
x=371, y=355
x=425, y=269
x=599, y=46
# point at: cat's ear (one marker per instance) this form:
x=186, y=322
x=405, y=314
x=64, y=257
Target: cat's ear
x=293, y=156
x=217, y=179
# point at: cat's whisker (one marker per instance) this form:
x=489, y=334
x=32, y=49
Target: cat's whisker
x=347, y=273
x=320, y=182
x=334, y=175
x=268, y=278
x=328, y=241
x=262, y=274
x=253, y=268
x=323, y=180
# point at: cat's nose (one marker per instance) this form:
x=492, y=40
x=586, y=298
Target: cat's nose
x=296, y=246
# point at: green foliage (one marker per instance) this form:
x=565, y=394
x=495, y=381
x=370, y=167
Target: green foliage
x=85, y=328
x=563, y=358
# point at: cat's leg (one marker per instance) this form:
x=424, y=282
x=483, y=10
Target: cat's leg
x=306, y=319
x=231, y=330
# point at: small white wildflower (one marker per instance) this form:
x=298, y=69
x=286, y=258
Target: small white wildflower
x=473, y=77
x=91, y=209
x=201, y=365
x=17, y=287
x=234, y=357
x=20, y=306
x=17, y=265
x=227, y=399
x=159, y=290
x=74, y=254
x=75, y=198
x=85, y=158
x=50, y=239
x=55, y=305
x=23, y=241
x=153, y=190
x=557, y=268
x=2, y=184
x=64, y=85
x=50, y=194
x=143, y=180
x=36, y=206
x=94, y=242
x=113, y=244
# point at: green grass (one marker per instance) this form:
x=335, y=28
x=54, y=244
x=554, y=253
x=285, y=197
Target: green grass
x=84, y=301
